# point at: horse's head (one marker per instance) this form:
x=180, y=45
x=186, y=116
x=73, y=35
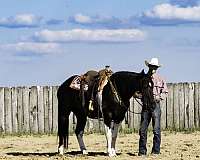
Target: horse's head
x=146, y=85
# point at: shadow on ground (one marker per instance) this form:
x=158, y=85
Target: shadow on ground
x=56, y=154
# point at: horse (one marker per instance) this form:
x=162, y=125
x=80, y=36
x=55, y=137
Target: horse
x=113, y=104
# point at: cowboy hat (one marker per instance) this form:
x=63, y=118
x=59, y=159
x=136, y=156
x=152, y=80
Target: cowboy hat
x=153, y=62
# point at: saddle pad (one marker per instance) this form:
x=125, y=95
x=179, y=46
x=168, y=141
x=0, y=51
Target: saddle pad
x=76, y=84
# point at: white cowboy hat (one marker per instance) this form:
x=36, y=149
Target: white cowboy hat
x=153, y=62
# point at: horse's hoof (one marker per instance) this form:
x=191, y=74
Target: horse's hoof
x=111, y=155
x=112, y=152
x=85, y=152
x=61, y=150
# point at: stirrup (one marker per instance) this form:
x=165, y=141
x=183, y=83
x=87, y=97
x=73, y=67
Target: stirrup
x=91, y=108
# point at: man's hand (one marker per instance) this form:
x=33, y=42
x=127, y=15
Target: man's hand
x=137, y=94
x=157, y=99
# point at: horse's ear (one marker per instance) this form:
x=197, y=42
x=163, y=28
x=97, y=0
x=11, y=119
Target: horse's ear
x=142, y=72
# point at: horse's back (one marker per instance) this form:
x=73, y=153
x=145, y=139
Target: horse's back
x=65, y=88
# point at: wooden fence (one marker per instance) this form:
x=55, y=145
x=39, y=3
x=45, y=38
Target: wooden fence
x=34, y=110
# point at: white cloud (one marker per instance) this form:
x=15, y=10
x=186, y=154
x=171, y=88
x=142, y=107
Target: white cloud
x=173, y=12
x=184, y=3
x=21, y=20
x=82, y=18
x=99, y=21
x=85, y=35
x=31, y=48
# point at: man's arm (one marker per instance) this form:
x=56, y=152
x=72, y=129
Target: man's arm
x=164, y=91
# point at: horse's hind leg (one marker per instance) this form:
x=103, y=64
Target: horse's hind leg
x=81, y=122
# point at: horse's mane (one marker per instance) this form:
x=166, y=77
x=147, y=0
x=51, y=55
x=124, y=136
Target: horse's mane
x=126, y=74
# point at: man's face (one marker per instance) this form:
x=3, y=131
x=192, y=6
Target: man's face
x=153, y=68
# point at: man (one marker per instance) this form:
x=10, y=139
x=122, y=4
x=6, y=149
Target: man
x=154, y=112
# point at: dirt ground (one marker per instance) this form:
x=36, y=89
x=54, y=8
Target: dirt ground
x=175, y=146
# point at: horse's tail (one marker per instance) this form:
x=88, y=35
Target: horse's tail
x=63, y=129
x=64, y=95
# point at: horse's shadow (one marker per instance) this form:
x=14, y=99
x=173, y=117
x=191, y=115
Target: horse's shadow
x=32, y=154
x=51, y=154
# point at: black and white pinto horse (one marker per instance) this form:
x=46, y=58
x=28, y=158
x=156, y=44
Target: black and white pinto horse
x=114, y=103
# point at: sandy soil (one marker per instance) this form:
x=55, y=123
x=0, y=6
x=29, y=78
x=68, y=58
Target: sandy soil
x=175, y=146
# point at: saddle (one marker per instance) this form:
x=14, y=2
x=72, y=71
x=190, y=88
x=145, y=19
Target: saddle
x=89, y=84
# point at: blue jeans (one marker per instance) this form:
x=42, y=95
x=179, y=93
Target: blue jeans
x=146, y=117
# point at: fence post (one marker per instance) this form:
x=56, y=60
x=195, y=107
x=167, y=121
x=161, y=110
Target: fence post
x=15, y=113
x=2, y=118
x=55, y=109
x=26, y=109
x=8, y=110
x=40, y=110
x=181, y=106
x=170, y=108
x=33, y=110
x=176, y=106
x=196, y=105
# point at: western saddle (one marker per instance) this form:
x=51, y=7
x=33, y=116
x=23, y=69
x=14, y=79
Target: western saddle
x=96, y=82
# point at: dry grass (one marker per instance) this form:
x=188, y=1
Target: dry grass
x=175, y=146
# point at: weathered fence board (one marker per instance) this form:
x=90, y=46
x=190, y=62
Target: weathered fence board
x=50, y=110
x=196, y=105
x=170, y=107
x=137, y=117
x=40, y=110
x=14, y=110
x=26, y=110
x=55, y=109
x=35, y=110
x=163, y=114
x=8, y=110
x=46, y=108
x=20, y=109
x=181, y=107
x=191, y=105
x=199, y=103
x=176, y=106
x=186, y=105
x=2, y=113
x=131, y=114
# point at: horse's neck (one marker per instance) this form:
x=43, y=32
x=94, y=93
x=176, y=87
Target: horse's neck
x=127, y=89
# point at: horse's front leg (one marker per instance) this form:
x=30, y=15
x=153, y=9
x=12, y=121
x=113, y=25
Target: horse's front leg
x=114, y=137
x=109, y=140
x=111, y=136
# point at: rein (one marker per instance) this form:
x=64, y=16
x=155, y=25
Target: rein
x=115, y=92
x=139, y=104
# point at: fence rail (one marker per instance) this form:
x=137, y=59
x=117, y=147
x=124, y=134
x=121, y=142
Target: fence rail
x=34, y=110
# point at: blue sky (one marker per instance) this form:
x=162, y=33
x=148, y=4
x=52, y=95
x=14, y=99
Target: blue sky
x=45, y=42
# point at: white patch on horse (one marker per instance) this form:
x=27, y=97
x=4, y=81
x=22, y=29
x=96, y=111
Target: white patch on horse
x=61, y=150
